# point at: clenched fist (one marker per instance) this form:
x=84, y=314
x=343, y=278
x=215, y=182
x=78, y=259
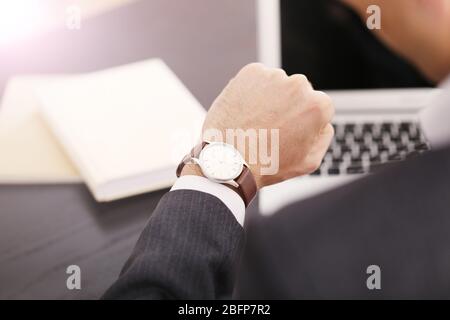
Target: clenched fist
x=266, y=103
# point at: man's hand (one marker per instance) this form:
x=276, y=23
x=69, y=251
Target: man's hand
x=263, y=98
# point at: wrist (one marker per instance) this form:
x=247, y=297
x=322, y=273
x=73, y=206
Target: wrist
x=255, y=170
x=222, y=163
x=195, y=170
x=192, y=170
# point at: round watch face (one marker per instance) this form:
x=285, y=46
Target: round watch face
x=221, y=162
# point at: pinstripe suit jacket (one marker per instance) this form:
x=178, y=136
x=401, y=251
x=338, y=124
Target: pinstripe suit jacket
x=398, y=220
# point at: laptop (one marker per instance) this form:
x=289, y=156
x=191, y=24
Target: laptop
x=377, y=95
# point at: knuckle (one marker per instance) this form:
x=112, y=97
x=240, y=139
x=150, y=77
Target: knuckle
x=299, y=80
x=322, y=104
x=315, y=104
x=326, y=99
x=320, y=99
x=330, y=130
x=313, y=165
x=278, y=73
x=253, y=67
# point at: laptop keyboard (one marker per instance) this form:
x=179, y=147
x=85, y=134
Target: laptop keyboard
x=359, y=148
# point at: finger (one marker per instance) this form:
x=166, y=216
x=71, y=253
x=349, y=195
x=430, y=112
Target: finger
x=278, y=72
x=319, y=116
x=327, y=107
x=321, y=145
x=301, y=80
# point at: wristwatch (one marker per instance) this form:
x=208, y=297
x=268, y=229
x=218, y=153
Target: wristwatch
x=222, y=163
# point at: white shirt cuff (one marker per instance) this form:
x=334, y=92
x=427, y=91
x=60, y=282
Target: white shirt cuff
x=229, y=197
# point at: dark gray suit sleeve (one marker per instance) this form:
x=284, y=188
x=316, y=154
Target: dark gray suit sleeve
x=187, y=251
x=398, y=219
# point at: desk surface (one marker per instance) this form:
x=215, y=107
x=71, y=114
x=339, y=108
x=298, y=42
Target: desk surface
x=45, y=228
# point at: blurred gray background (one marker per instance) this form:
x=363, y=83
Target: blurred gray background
x=45, y=228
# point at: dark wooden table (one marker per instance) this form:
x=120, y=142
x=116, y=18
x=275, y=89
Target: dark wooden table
x=45, y=228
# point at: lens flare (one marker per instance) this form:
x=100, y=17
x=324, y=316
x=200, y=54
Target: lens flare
x=19, y=19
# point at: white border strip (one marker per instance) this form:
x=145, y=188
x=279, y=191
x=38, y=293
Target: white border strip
x=269, y=33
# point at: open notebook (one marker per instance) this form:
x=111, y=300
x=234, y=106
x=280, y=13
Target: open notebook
x=29, y=153
x=125, y=129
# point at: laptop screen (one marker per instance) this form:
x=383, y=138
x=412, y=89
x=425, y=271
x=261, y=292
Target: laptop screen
x=329, y=43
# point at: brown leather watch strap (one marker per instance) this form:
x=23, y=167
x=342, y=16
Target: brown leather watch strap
x=195, y=153
x=247, y=185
